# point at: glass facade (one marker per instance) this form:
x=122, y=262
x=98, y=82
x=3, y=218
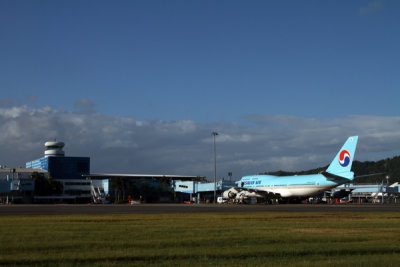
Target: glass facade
x=62, y=168
x=42, y=163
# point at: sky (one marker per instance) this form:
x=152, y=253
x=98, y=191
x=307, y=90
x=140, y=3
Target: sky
x=140, y=85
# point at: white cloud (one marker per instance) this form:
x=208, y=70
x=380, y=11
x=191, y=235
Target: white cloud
x=229, y=138
x=12, y=112
x=120, y=144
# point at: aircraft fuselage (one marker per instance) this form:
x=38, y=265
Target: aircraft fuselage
x=289, y=186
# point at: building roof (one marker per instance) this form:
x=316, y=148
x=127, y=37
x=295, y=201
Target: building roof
x=21, y=170
x=143, y=176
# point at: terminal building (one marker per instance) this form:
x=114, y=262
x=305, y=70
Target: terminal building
x=65, y=170
x=17, y=185
x=80, y=186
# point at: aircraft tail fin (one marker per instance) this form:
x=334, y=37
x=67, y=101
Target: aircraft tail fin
x=341, y=164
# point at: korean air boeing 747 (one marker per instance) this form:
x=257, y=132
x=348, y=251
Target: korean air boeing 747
x=300, y=186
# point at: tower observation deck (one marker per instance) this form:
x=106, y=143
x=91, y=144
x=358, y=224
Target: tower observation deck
x=54, y=149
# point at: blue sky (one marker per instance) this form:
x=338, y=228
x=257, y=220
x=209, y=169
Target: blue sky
x=224, y=65
x=204, y=60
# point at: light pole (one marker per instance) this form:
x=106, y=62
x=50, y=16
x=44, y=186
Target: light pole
x=387, y=189
x=215, y=166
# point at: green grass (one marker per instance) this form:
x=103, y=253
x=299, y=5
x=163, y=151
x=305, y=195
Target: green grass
x=247, y=239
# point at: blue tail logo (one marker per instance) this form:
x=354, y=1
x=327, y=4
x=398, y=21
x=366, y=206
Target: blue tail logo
x=344, y=158
x=341, y=164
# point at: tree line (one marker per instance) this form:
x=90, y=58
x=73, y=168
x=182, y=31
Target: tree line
x=386, y=167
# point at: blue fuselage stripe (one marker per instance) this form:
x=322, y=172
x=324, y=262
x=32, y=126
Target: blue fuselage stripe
x=279, y=181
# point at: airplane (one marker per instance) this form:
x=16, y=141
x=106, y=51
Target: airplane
x=299, y=187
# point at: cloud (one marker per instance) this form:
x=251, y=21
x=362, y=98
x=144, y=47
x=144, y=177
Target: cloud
x=30, y=100
x=122, y=144
x=372, y=7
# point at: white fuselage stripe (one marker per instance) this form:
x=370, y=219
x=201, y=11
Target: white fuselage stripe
x=296, y=190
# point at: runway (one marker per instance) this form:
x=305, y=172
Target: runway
x=189, y=208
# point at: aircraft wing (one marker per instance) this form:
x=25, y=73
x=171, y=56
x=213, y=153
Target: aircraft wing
x=368, y=175
x=334, y=178
x=337, y=178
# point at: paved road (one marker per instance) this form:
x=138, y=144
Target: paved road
x=185, y=208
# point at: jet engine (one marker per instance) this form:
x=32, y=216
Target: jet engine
x=230, y=193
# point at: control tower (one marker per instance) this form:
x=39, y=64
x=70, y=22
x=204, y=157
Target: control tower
x=54, y=149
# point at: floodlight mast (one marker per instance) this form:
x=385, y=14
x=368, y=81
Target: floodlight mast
x=214, y=134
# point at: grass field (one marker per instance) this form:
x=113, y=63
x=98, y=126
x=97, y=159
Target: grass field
x=248, y=239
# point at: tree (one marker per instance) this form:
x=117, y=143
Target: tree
x=386, y=167
x=46, y=187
